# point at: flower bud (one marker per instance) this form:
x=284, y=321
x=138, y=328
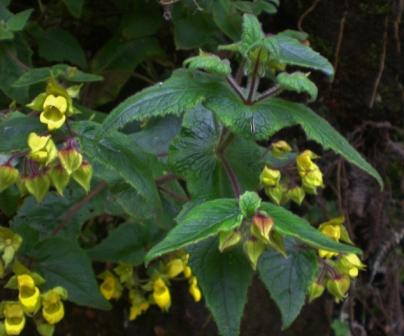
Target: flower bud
x=296, y=194
x=339, y=287
x=59, y=178
x=350, y=264
x=187, y=272
x=8, y=176
x=315, y=290
x=83, y=175
x=161, y=294
x=253, y=249
x=174, y=267
x=14, y=318
x=38, y=186
x=262, y=226
x=280, y=148
x=194, y=289
x=228, y=239
x=276, y=194
x=71, y=159
x=270, y=177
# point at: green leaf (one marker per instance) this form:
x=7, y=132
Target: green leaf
x=293, y=52
x=127, y=243
x=181, y=92
x=262, y=120
x=287, y=279
x=39, y=75
x=227, y=18
x=288, y=224
x=63, y=263
x=18, y=21
x=193, y=155
x=252, y=31
x=224, y=279
x=117, y=152
x=297, y=82
x=75, y=7
x=210, y=63
x=199, y=223
x=249, y=203
x=58, y=45
x=16, y=128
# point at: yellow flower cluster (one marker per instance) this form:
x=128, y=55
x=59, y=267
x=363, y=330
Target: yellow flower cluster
x=44, y=165
x=337, y=269
x=151, y=291
x=280, y=184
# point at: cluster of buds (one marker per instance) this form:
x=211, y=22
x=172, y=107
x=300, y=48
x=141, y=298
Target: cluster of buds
x=142, y=293
x=10, y=242
x=291, y=182
x=47, y=164
x=256, y=234
x=337, y=270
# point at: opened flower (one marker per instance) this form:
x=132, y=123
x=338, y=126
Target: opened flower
x=175, y=267
x=54, y=111
x=310, y=173
x=52, y=306
x=110, y=287
x=161, y=294
x=42, y=148
x=350, y=264
x=29, y=295
x=14, y=318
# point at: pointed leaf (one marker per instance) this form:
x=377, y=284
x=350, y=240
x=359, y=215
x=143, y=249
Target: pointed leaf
x=288, y=224
x=297, y=82
x=210, y=63
x=224, y=279
x=199, y=223
x=287, y=279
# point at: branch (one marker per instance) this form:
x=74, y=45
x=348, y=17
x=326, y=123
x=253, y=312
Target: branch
x=254, y=78
x=307, y=12
x=269, y=93
x=236, y=87
x=232, y=176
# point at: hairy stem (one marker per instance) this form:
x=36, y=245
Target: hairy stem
x=236, y=87
x=254, y=79
x=273, y=91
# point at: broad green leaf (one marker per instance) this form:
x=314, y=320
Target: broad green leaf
x=293, y=52
x=181, y=92
x=75, y=7
x=199, y=223
x=252, y=31
x=297, y=82
x=227, y=18
x=18, y=21
x=262, y=120
x=249, y=203
x=288, y=224
x=16, y=128
x=117, y=152
x=287, y=279
x=63, y=263
x=58, y=45
x=127, y=244
x=224, y=279
x=210, y=63
x=193, y=155
x=39, y=75
x=270, y=7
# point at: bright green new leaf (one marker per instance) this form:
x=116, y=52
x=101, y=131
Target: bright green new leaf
x=209, y=63
x=63, y=263
x=249, y=203
x=297, y=82
x=224, y=279
x=18, y=21
x=199, y=223
x=287, y=279
x=288, y=224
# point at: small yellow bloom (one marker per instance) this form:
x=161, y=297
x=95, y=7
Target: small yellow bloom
x=187, y=272
x=14, y=318
x=332, y=229
x=270, y=177
x=43, y=149
x=8, y=176
x=194, y=289
x=29, y=295
x=139, y=304
x=350, y=264
x=54, y=111
x=161, y=294
x=280, y=148
x=309, y=172
x=110, y=287
x=174, y=267
x=53, y=309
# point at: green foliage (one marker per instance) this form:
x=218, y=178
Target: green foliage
x=297, y=82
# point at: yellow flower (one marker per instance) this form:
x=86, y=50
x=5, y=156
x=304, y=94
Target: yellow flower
x=270, y=177
x=43, y=149
x=339, y=287
x=161, y=294
x=350, y=264
x=53, y=309
x=110, y=287
x=333, y=229
x=310, y=173
x=139, y=304
x=174, y=267
x=194, y=289
x=187, y=272
x=8, y=176
x=54, y=111
x=14, y=318
x=280, y=148
x=29, y=295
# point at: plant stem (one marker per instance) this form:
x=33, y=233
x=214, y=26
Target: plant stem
x=269, y=93
x=178, y=197
x=232, y=177
x=236, y=87
x=254, y=80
